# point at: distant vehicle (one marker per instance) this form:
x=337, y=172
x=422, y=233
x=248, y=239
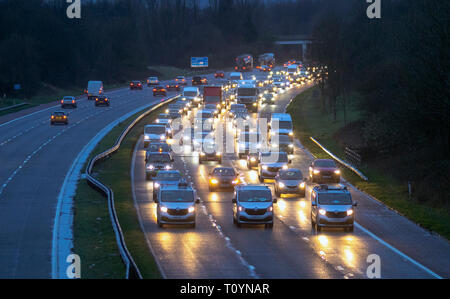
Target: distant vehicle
x=159, y=91
x=158, y=146
x=163, y=179
x=102, y=100
x=59, y=117
x=213, y=108
x=244, y=63
x=290, y=181
x=332, y=206
x=197, y=80
x=94, y=89
x=136, y=85
x=156, y=162
x=181, y=80
x=152, y=81
x=219, y=74
x=324, y=170
x=68, y=101
x=270, y=163
x=236, y=76
x=267, y=60
x=154, y=133
x=248, y=142
x=204, y=119
x=253, y=204
x=281, y=124
x=212, y=95
x=176, y=205
x=223, y=178
x=265, y=68
x=268, y=98
x=292, y=69
x=173, y=85
x=252, y=160
x=192, y=94
x=247, y=94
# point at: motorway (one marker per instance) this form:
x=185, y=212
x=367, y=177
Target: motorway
x=35, y=159
x=216, y=248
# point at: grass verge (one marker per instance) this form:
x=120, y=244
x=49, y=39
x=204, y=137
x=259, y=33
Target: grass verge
x=94, y=239
x=310, y=121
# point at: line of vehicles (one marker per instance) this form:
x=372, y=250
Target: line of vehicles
x=205, y=112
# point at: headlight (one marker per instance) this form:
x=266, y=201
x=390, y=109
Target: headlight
x=255, y=104
x=302, y=185
x=264, y=167
x=151, y=167
x=274, y=145
x=291, y=145
x=162, y=137
x=157, y=185
x=157, y=121
x=285, y=167
x=291, y=133
x=252, y=159
x=281, y=185
x=322, y=212
x=349, y=212
x=218, y=154
x=167, y=111
x=168, y=167
x=240, y=209
x=202, y=154
x=270, y=209
x=191, y=209
x=164, y=209
x=337, y=171
x=214, y=181
x=235, y=182
x=316, y=171
x=147, y=137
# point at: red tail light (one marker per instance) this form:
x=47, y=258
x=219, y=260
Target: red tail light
x=62, y=101
x=73, y=102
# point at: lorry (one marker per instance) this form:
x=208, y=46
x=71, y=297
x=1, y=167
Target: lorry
x=247, y=94
x=244, y=63
x=94, y=89
x=267, y=59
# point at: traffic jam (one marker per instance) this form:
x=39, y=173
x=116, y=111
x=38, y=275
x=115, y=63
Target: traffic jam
x=245, y=152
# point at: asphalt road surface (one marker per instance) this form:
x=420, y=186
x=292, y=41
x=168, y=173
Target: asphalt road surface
x=216, y=248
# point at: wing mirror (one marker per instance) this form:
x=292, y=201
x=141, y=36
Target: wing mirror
x=355, y=204
x=275, y=200
x=197, y=201
x=314, y=204
x=290, y=161
x=234, y=200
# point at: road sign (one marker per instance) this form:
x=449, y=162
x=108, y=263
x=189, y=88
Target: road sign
x=17, y=87
x=199, y=61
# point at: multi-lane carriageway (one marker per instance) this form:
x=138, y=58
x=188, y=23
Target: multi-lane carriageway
x=36, y=159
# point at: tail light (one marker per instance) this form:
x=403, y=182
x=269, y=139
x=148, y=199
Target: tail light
x=154, y=89
x=73, y=101
x=62, y=101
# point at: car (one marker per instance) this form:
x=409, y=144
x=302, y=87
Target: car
x=159, y=91
x=174, y=113
x=281, y=124
x=290, y=181
x=253, y=204
x=282, y=143
x=248, y=142
x=197, y=80
x=223, y=178
x=219, y=74
x=136, y=85
x=165, y=178
x=173, y=85
x=213, y=108
x=270, y=163
x=199, y=138
x=152, y=81
x=156, y=162
x=176, y=205
x=204, y=119
x=268, y=98
x=324, y=170
x=181, y=80
x=154, y=133
x=252, y=160
x=332, y=206
x=161, y=147
x=209, y=152
x=94, y=89
x=102, y=100
x=68, y=101
x=59, y=117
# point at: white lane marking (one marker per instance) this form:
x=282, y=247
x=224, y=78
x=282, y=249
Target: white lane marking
x=139, y=214
x=62, y=241
x=398, y=251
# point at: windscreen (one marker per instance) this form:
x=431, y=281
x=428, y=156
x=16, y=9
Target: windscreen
x=168, y=176
x=255, y=196
x=224, y=171
x=291, y=175
x=274, y=158
x=177, y=196
x=155, y=130
x=163, y=147
x=189, y=93
x=249, y=92
x=325, y=163
x=334, y=199
x=162, y=158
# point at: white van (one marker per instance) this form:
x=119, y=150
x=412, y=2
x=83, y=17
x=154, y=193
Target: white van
x=281, y=124
x=94, y=89
x=193, y=94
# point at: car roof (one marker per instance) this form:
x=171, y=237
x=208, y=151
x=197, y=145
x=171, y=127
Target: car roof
x=172, y=187
x=223, y=167
x=190, y=89
x=168, y=171
x=281, y=116
x=331, y=188
x=252, y=187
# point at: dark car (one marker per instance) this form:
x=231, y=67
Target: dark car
x=219, y=74
x=324, y=170
x=136, y=85
x=165, y=178
x=69, y=101
x=159, y=91
x=59, y=117
x=181, y=80
x=158, y=147
x=290, y=181
x=102, y=100
x=223, y=178
x=173, y=85
x=197, y=80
